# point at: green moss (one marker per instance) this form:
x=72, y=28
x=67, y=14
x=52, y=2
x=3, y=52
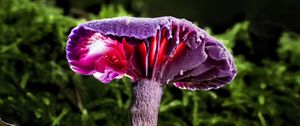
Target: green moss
x=38, y=88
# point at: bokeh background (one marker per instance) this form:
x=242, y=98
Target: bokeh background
x=37, y=87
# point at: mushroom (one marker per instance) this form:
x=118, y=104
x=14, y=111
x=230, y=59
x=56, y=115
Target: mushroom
x=153, y=52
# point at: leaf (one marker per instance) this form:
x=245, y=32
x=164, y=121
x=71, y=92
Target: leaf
x=262, y=119
x=170, y=105
x=24, y=80
x=261, y=99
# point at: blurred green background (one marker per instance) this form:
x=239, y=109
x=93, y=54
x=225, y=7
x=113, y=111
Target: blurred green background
x=37, y=87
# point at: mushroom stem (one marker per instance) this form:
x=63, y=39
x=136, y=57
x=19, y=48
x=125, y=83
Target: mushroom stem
x=146, y=96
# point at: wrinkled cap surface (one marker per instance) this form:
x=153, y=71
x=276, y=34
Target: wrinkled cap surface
x=165, y=49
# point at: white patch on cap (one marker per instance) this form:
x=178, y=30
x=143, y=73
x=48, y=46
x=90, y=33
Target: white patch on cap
x=168, y=81
x=97, y=47
x=181, y=72
x=98, y=75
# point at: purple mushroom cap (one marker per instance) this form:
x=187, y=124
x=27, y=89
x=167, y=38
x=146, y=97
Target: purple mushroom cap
x=164, y=49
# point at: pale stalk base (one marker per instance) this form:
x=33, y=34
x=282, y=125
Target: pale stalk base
x=146, y=96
